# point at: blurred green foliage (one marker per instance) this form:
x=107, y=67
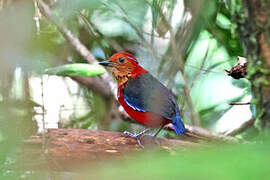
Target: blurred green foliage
x=239, y=162
x=76, y=69
x=206, y=38
x=219, y=161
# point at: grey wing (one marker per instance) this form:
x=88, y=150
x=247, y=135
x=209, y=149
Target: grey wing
x=147, y=94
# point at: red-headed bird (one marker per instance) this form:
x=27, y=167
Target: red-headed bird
x=142, y=96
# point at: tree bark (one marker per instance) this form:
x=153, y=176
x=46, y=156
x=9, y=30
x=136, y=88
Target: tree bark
x=252, y=22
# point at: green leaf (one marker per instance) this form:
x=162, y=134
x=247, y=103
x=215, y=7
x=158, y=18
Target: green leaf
x=76, y=69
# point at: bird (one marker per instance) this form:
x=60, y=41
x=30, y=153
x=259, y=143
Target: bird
x=144, y=98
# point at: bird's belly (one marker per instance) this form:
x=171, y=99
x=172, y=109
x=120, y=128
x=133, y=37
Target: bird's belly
x=145, y=118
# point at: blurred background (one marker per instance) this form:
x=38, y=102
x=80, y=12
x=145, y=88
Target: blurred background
x=187, y=45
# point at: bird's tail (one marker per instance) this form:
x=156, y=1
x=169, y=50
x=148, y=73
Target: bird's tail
x=178, y=125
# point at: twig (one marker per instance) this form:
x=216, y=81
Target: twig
x=201, y=69
x=246, y=103
x=68, y=35
x=202, y=133
x=92, y=29
x=43, y=112
x=45, y=154
x=195, y=119
x=37, y=17
x=124, y=17
x=76, y=43
x=242, y=128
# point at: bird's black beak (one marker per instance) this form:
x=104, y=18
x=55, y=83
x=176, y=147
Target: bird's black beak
x=106, y=63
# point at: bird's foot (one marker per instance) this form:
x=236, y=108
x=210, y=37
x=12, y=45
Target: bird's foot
x=143, y=138
x=137, y=136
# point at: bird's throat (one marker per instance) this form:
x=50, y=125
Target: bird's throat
x=121, y=76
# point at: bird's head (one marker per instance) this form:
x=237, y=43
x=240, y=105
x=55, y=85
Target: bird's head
x=121, y=61
x=124, y=66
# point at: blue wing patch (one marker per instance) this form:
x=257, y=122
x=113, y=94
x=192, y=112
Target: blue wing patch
x=133, y=106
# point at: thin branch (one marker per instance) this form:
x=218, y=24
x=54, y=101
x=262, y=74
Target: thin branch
x=246, y=103
x=92, y=29
x=125, y=18
x=68, y=35
x=201, y=69
x=37, y=17
x=75, y=42
x=204, y=134
x=43, y=112
x=195, y=119
x=45, y=154
x=242, y=128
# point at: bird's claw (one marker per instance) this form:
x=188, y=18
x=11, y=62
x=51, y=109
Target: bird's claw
x=130, y=134
x=139, y=142
x=136, y=136
x=141, y=134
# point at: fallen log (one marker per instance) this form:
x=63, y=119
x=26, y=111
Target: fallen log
x=63, y=149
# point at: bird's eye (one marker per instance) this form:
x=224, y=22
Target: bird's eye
x=121, y=59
